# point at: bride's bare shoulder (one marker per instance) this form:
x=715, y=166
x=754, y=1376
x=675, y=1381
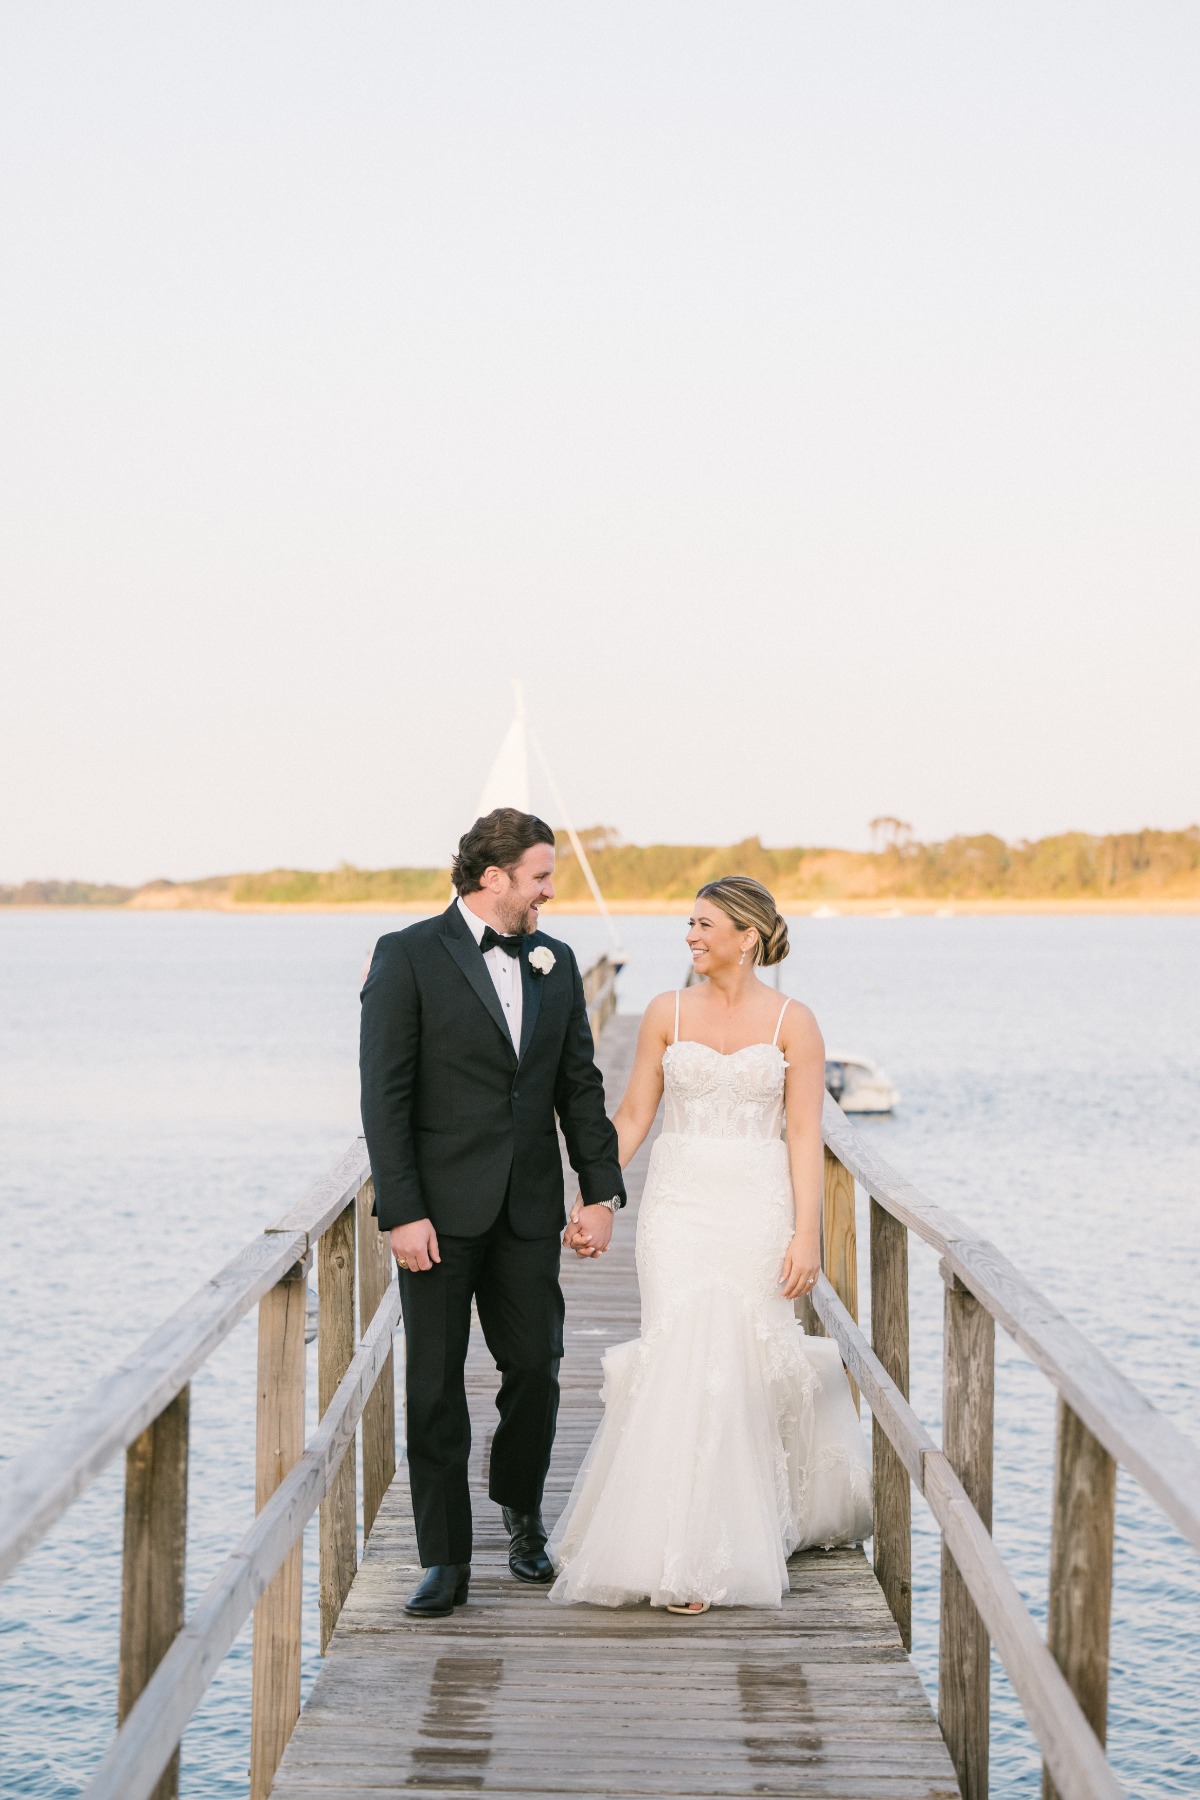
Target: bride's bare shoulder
x=658, y=1020
x=799, y=1032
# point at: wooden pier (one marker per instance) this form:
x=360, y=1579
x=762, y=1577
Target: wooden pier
x=514, y=1695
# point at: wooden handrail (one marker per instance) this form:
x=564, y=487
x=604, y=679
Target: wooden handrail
x=1055, y=1716
x=329, y=1198
x=146, y=1742
x=142, y=1408
x=1132, y=1430
x=39, y=1484
x=600, y=992
x=1103, y=1421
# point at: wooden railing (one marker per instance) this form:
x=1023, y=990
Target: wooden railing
x=166, y=1663
x=600, y=992
x=1103, y=1421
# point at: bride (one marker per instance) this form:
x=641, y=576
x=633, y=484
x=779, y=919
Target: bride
x=729, y=1438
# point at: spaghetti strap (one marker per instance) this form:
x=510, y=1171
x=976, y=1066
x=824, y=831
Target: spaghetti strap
x=779, y=1021
x=676, y=1037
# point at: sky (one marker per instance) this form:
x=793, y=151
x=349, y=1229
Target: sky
x=801, y=400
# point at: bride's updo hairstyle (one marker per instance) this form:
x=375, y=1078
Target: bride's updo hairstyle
x=751, y=906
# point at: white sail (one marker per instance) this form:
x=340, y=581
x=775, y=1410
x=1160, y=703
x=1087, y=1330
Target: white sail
x=507, y=781
x=507, y=784
x=579, y=850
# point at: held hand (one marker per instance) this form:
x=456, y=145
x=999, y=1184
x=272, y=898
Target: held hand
x=415, y=1246
x=801, y=1266
x=574, y=1237
x=589, y=1229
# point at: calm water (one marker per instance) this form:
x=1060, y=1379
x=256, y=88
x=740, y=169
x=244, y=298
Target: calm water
x=168, y=1084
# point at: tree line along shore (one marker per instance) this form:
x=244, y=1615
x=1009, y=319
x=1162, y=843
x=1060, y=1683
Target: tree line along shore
x=1125, y=870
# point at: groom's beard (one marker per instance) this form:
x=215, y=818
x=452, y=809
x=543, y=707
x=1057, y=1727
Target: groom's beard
x=518, y=919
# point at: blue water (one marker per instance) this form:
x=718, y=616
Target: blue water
x=170, y=1083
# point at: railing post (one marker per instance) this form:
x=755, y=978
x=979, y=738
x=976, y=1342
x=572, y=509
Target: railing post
x=1081, y=1566
x=892, y=1495
x=376, y=1272
x=968, y=1408
x=841, y=1241
x=152, y=1572
x=335, y=1350
x=275, y=1673
x=806, y=1312
x=600, y=1009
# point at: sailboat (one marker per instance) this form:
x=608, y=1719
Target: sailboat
x=507, y=784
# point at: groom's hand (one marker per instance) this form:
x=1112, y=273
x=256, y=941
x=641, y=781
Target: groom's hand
x=415, y=1246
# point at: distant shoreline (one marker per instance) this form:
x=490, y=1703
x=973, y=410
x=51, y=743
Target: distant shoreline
x=792, y=909
x=1147, y=872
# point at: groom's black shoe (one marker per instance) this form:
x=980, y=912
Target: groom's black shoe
x=527, y=1546
x=444, y=1587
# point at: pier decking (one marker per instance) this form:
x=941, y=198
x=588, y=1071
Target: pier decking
x=513, y=1695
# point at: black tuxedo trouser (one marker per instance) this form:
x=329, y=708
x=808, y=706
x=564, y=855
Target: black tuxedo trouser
x=514, y=1282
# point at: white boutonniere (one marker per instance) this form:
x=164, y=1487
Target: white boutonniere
x=541, y=959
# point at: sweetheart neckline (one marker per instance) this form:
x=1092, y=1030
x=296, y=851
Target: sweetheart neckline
x=763, y=1045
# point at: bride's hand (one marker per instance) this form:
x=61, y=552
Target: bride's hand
x=801, y=1266
x=576, y=1237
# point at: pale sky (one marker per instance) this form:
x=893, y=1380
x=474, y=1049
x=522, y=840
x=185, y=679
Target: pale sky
x=801, y=399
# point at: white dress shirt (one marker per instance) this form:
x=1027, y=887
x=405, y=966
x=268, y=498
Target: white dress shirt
x=505, y=971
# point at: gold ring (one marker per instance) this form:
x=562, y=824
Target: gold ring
x=402, y=1262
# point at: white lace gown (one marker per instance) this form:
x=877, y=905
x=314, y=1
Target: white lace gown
x=729, y=1438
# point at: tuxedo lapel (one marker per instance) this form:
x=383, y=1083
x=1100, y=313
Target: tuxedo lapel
x=531, y=998
x=467, y=955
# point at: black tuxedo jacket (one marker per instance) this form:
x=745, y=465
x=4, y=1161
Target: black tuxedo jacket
x=454, y=1118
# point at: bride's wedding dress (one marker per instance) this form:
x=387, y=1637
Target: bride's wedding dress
x=729, y=1438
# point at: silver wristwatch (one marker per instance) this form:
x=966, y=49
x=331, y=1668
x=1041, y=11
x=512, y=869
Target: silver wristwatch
x=613, y=1205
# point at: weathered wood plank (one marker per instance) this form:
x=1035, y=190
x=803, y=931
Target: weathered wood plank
x=840, y=1240
x=330, y=1196
x=1070, y=1746
x=891, y=1491
x=1133, y=1432
x=145, y=1744
x=1081, y=1569
x=964, y=1660
x=275, y=1656
x=1054, y=1715
x=905, y=1432
x=338, y=1535
x=152, y=1567
x=376, y=1272
x=37, y=1486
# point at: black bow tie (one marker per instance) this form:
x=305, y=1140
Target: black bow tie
x=494, y=940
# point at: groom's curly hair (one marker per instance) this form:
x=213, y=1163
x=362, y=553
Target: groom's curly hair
x=497, y=841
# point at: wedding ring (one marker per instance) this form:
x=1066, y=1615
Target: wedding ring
x=402, y=1262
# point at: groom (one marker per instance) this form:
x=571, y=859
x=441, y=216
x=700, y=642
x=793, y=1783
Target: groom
x=474, y=1035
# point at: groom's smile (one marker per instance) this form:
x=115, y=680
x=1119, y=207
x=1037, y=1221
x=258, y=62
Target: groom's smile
x=530, y=884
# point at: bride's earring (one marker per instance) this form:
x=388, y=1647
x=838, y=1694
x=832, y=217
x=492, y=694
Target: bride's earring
x=742, y=957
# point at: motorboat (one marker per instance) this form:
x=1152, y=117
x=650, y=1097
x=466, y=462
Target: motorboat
x=858, y=1084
